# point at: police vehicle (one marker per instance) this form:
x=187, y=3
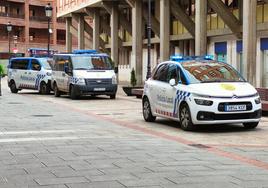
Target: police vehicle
x=83, y=72
x=29, y=73
x=199, y=90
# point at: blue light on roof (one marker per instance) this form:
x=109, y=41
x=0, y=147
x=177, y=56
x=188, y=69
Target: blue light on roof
x=209, y=57
x=85, y=52
x=176, y=58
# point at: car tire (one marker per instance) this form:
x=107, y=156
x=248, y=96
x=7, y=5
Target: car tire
x=73, y=93
x=113, y=96
x=57, y=93
x=147, y=112
x=250, y=125
x=44, y=89
x=13, y=87
x=185, y=118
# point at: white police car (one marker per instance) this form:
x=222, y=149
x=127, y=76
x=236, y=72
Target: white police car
x=29, y=73
x=200, y=91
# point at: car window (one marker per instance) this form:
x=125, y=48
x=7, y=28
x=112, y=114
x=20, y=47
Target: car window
x=21, y=64
x=35, y=65
x=173, y=73
x=161, y=73
x=60, y=61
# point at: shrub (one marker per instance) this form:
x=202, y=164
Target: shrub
x=133, y=80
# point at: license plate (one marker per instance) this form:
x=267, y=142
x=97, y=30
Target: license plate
x=230, y=108
x=99, y=89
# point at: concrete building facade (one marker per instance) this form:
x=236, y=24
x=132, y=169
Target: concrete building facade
x=30, y=26
x=234, y=31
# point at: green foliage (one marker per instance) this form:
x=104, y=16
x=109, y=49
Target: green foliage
x=133, y=80
x=2, y=70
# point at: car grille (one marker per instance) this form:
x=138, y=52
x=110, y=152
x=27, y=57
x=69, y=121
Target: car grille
x=98, y=82
x=221, y=106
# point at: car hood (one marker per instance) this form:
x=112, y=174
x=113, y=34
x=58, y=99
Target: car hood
x=223, y=89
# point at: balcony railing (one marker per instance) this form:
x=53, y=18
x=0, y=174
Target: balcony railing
x=12, y=40
x=5, y=14
x=39, y=18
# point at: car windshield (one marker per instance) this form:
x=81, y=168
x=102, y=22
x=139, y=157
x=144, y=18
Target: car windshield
x=205, y=72
x=91, y=63
x=45, y=64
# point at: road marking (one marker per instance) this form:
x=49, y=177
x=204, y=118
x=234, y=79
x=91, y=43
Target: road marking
x=37, y=139
x=180, y=140
x=39, y=132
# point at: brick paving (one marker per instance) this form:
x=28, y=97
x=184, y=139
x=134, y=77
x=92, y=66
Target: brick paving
x=60, y=143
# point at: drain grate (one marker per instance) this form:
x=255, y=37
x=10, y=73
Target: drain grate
x=42, y=115
x=199, y=146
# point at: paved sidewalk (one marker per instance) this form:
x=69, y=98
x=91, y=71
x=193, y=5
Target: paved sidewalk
x=44, y=144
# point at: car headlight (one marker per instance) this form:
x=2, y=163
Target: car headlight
x=203, y=102
x=114, y=80
x=81, y=81
x=258, y=100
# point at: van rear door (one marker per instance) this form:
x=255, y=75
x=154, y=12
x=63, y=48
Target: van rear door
x=19, y=68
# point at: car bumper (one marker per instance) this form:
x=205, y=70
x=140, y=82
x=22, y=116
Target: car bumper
x=96, y=90
x=213, y=115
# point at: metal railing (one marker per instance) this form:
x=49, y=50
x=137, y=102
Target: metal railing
x=11, y=15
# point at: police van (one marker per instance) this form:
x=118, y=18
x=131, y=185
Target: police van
x=83, y=72
x=29, y=73
x=199, y=90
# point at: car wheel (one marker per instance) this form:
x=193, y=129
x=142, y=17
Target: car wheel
x=147, y=112
x=73, y=93
x=56, y=91
x=185, y=118
x=113, y=96
x=251, y=125
x=13, y=87
x=43, y=89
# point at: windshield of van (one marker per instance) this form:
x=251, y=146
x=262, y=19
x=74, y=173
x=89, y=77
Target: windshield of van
x=91, y=63
x=45, y=63
x=205, y=72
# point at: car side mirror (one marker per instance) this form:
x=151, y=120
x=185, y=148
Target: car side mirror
x=172, y=82
x=67, y=69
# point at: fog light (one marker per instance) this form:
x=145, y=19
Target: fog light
x=258, y=100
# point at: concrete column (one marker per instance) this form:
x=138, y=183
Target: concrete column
x=81, y=32
x=164, y=29
x=114, y=34
x=69, y=37
x=249, y=40
x=201, y=27
x=191, y=47
x=54, y=23
x=26, y=22
x=137, y=29
x=96, y=29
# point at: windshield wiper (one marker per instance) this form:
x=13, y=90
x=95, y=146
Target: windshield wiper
x=81, y=69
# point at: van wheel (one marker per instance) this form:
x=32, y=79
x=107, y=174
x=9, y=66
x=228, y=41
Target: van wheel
x=44, y=89
x=251, y=125
x=113, y=96
x=147, y=112
x=57, y=93
x=73, y=93
x=13, y=88
x=185, y=118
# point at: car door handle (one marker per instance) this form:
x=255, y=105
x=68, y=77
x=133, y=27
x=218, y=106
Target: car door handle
x=29, y=73
x=164, y=90
x=25, y=72
x=63, y=74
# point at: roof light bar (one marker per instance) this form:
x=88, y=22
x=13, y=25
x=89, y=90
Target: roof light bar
x=85, y=52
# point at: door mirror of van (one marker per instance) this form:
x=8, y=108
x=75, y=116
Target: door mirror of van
x=116, y=70
x=67, y=69
x=172, y=82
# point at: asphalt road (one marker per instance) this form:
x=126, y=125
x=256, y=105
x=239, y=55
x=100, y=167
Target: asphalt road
x=98, y=142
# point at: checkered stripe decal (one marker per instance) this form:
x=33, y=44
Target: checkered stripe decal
x=73, y=80
x=38, y=80
x=180, y=96
x=164, y=113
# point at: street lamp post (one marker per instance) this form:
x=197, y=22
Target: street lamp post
x=148, y=75
x=48, y=10
x=9, y=29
